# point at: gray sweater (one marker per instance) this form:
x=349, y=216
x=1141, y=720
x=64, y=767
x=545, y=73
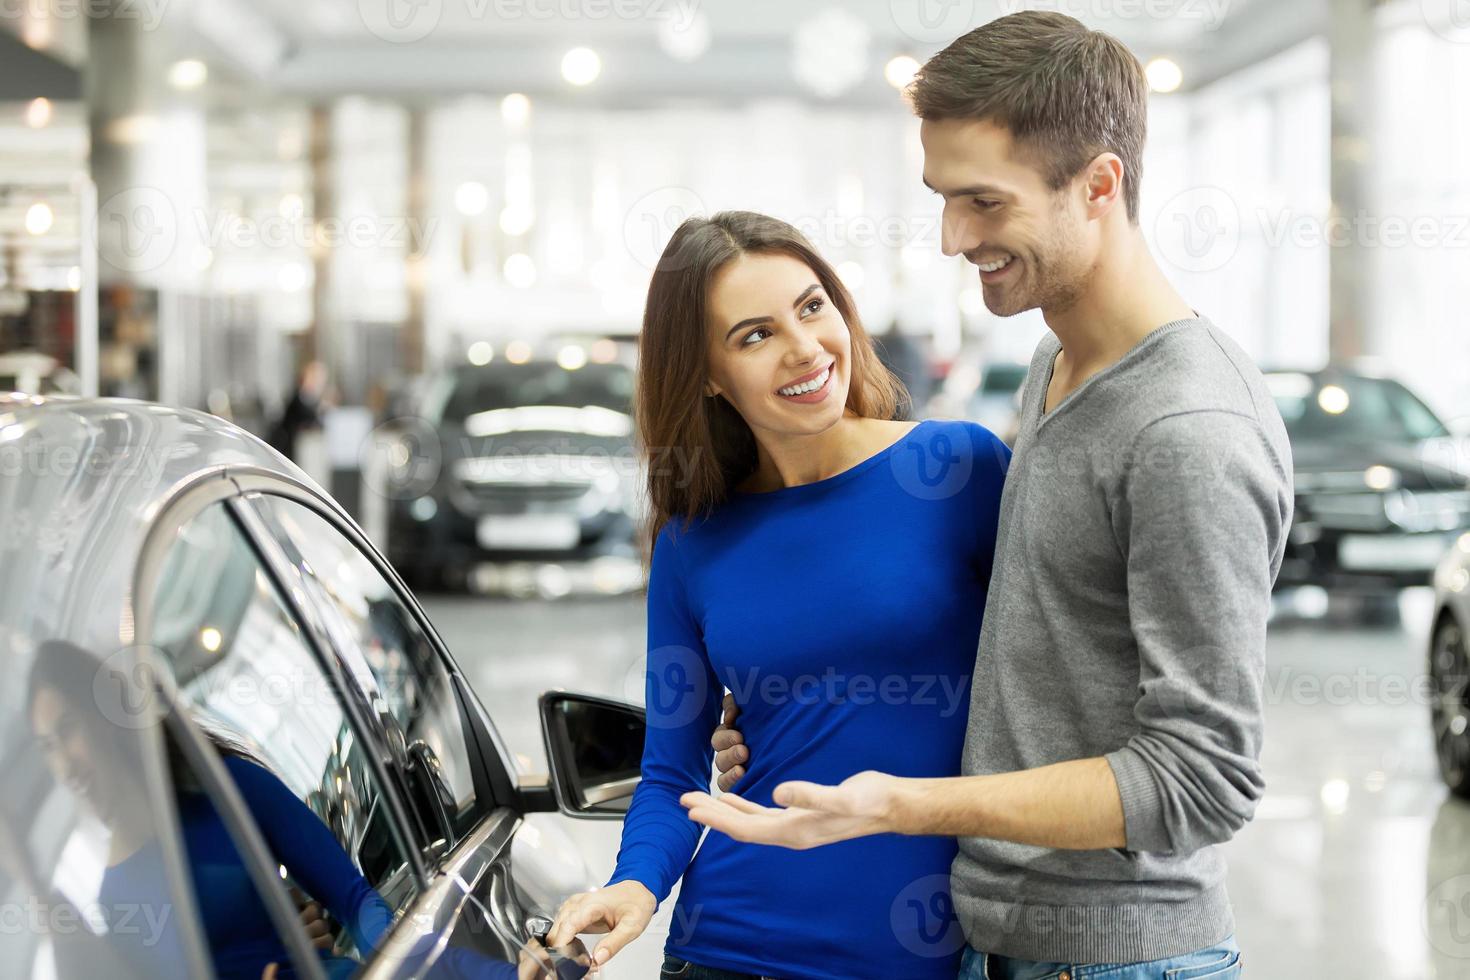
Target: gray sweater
x=1141, y=529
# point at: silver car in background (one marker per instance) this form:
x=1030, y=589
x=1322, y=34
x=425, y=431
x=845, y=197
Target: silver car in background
x=187, y=623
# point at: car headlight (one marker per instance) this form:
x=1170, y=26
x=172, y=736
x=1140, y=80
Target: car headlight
x=1429, y=510
x=1382, y=478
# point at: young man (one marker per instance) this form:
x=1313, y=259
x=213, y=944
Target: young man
x=1116, y=713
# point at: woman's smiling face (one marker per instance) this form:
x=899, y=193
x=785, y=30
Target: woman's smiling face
x=779, y=350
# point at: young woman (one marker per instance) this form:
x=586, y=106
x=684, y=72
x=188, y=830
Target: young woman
x=828, y=565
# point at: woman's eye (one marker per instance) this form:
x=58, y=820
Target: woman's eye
x=754, y=334
x=814, y=305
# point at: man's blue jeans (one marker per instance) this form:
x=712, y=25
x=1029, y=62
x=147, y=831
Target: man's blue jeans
x=1218, y=962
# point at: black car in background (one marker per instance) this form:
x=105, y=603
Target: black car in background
x=519, y=477
x=1382, y=488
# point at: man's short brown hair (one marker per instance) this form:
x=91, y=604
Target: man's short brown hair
x=1065, y=93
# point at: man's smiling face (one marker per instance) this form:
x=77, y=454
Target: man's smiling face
x=1033, y=246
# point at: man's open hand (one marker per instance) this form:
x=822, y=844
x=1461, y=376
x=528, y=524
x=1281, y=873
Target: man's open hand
x=808, y=815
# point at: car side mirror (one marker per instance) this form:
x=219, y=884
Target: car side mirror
x=595, y=750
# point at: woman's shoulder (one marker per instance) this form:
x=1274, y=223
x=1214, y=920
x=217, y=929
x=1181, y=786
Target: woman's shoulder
x=966, y=437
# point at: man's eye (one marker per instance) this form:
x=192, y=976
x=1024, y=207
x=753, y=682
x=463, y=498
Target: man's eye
x=985, y=205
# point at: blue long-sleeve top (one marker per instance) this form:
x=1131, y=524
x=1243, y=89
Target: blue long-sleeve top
x=844, y=616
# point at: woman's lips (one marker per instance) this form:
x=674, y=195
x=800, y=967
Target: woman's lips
x=811, y=397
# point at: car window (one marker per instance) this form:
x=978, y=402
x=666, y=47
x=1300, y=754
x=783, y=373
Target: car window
x=389, y=656
x=86, y=876
x=1351, y=408
x=247, y=674
x=505, y=386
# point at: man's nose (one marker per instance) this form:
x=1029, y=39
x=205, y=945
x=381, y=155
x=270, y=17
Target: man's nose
x=958, y=232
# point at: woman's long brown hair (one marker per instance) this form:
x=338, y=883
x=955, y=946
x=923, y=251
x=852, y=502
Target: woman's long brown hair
x=698, y=447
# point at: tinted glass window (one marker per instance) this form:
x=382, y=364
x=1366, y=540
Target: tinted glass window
x=505, y=385
x=388, y=656
x=249, y=678
x=1352, y=408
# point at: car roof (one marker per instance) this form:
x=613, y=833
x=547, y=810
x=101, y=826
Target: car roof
x=81, y=481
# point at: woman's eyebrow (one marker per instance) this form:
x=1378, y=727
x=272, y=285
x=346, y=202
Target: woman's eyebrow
x=754, y=320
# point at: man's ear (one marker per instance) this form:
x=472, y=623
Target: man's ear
x=1104, y=183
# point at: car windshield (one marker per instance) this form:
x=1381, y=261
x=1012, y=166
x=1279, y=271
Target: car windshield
x=1352, y=409
x=473, y=390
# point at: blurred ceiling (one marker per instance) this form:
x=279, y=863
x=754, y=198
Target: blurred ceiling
x=735, y=49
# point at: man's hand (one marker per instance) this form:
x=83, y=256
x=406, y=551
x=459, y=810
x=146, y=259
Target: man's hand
x=731, y=752
x=622, y=910
x=808, y=815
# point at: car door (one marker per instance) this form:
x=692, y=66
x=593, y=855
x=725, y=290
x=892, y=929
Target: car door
x=465, y=806
x=253, y=676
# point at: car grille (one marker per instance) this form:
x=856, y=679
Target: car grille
x=1347, y=511
x=518, y=497
x=526, y=485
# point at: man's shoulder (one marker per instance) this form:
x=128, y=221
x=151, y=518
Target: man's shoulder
x=1202, y=370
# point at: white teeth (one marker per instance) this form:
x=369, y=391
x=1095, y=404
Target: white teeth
x=997, y=265
x=807, y=386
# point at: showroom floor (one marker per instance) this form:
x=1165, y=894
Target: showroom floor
x=1357, y=865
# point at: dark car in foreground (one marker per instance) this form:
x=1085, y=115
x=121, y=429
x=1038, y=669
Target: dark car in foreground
x=520, y=478
x=189, y=627
x=1382, y=487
